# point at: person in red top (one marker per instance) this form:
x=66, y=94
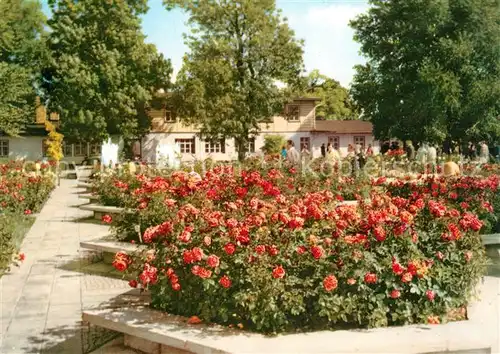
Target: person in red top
x=369, y=150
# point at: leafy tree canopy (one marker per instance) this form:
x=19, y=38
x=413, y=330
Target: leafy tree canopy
x=102, y=73
x=433, y=69
x=335, y=104
x=238, y=50
x=21, y=55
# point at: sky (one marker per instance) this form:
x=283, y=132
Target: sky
x=322, y=24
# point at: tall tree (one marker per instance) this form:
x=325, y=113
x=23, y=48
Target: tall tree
x=238, y=50
x=433, y=70
x=336, y=103
x=21, y=54
x=102, y=73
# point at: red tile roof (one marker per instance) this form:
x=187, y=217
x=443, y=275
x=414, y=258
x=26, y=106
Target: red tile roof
x=343, y=126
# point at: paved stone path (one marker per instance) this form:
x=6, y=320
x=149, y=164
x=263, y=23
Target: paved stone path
x=42, y=300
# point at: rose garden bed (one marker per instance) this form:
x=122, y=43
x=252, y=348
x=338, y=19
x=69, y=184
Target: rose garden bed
x=22, y=194
x=273, y=251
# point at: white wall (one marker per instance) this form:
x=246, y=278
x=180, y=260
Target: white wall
x=344, y=140
x=151, y=140
x=29, y=148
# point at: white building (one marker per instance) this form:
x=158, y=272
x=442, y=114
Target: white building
x=299, y=124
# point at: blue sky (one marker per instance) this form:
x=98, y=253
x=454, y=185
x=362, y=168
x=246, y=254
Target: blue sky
x=322, y=24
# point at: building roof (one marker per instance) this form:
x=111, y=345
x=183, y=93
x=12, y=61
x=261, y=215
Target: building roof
x=343, y=126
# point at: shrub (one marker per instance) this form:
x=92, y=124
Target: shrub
x=274, y=252
x=22, y=192
x=273, y=144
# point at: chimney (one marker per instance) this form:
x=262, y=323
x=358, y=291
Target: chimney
x=40, y=112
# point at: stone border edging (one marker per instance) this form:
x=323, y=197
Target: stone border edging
x=477, y=333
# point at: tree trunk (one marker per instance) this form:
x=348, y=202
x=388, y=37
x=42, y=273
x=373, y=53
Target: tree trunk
x=242, y=149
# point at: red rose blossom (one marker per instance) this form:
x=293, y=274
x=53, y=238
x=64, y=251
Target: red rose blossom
x=317, y=252
x=225, y=282
x=330, y=283
x=397, y=268
x=301, y=249
x=395, y=294
x=278, y=272
x=370, y=278
x=176, y=286
x=407, y=277
x=430, y=295
x=213, y=261
x=260, y=249
x=229, y=248
x=107, y=219
x=133, y=283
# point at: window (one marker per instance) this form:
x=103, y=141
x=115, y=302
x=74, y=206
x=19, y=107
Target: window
x=186, y=145
x=80, y=149
x=4, y=148
x=250, y=147
x=67, y=149
x=305, y=142
x=95, y=149
x=293, y=112
x=359, y=140
x=334, y=140
x=215, y=147
x=169, y=117
x=44, y=147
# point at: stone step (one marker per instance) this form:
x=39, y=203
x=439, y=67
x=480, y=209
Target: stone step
x=88, y=196
x=111, y=246
x=83, y=185
x=104, y=209
x=491, y=239
x=153, y=331
x=116, y=346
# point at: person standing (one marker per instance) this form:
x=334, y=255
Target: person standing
x=484, y=152
x=283, y=152
x=292, y=155
x=369, y=150
x=323, y=150
x=305, y=153
x=410, y=150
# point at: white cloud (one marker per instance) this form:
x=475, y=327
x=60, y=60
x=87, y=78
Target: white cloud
x=329, y=43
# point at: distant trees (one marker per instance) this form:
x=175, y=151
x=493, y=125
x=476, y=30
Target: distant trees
x=335, y=101
x=433, y=70
x=21, y=57
x=238, y=50
x=102, y=74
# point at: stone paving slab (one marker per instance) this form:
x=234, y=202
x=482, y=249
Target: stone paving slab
x=41, y=302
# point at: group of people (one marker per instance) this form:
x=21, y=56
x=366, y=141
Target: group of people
x=358, y=155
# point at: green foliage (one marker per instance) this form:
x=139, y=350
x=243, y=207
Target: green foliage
x=238, y=49
x=54, y=142
x=21, y=55
x=335, y=101
x=433, y=69
x=102, y=74
x=13, y=228
x=273, y=251
x=273, y=144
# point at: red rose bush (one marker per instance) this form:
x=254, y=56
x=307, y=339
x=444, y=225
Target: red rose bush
x=276, y=252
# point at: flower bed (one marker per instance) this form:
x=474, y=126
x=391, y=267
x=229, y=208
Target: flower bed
x=272, y=251
x=21, y=194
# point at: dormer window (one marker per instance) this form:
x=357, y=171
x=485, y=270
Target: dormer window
x=293, y=112
x=169, y=117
